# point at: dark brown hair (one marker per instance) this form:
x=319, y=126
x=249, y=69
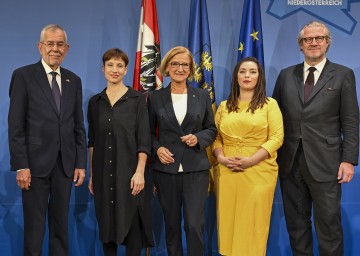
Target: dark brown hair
x=115, y=53
x=259, y=97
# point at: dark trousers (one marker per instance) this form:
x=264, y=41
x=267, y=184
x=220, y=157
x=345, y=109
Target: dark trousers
x=302, y=193
x=49, y=194
x=187, y=190
x=133, y=240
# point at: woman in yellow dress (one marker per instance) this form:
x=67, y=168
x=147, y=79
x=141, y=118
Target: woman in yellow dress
x=250, y=130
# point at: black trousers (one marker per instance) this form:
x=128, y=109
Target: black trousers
x=188, y=191
x=133, y=240
x=302, y=193
x=49, y=194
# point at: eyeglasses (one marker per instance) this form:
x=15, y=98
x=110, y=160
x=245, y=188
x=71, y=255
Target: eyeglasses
x=51, y=45
x=177, y=65
x=318, y=39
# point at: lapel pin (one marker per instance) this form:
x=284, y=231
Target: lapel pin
x=193, y=95
x=67, y=80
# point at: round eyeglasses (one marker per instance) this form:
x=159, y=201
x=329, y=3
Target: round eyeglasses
x=318, y=39
x=177, y=65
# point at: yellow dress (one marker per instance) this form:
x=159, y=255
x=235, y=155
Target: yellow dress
x=244, y=199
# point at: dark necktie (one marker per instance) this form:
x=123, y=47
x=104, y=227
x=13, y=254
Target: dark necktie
x=56, y=90
x=309, y=84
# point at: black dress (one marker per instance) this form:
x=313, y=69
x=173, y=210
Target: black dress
x=117, y=134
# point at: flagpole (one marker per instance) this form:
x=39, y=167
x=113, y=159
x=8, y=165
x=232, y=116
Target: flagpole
x=147, y=61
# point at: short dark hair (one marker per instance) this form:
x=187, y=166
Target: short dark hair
x=115, y=53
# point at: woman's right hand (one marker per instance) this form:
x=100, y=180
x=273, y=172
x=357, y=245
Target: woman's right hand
x=165, y=156
x=226, y=161
x=90, y=186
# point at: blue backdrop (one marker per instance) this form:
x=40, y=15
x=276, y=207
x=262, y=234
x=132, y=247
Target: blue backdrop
x=93, y=26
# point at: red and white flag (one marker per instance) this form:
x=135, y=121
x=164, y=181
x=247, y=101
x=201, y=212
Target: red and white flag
x=147, y=76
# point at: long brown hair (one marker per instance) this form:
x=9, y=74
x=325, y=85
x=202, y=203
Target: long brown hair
x=259, y=98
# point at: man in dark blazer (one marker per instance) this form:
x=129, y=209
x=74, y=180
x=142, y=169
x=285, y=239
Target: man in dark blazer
x=321, y=143
x=47, y=141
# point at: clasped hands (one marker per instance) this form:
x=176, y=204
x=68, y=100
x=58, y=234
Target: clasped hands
x=164, y=154
x=236, y=163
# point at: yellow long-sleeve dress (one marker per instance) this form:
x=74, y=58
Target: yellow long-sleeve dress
x=244, y=199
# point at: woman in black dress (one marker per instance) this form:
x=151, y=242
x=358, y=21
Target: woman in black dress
x=119, y=143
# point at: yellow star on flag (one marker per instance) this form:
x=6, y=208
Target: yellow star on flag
x=241, y=48
x=254, y=35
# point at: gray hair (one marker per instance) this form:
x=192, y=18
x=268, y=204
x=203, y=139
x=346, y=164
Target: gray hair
x=315, y=24
x=51, y=27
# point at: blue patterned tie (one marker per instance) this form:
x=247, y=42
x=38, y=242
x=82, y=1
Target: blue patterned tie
x=56, y=90
x=309, y=84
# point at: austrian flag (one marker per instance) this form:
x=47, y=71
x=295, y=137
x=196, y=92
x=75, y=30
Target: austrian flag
x=146, y=72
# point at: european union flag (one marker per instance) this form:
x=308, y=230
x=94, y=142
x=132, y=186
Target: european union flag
x=199, y=45
x=251, y=39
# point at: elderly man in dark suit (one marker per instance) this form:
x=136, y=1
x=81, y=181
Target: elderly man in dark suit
x=321, y=122
x=47, y=141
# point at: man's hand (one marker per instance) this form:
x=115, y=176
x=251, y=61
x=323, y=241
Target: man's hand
x=346, y=172
x=79, y=176
x=23, y=179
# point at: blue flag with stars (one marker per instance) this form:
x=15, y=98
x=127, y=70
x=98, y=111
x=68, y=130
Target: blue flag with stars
x=251, y=38
x=199, y=45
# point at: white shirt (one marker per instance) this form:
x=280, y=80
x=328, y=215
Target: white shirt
x=48, y=71
x=319, y=68
x=180, y=108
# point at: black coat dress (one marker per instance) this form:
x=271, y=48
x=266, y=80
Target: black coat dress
x=117, y=134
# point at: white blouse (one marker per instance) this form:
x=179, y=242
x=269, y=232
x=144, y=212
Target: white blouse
x=179, y=102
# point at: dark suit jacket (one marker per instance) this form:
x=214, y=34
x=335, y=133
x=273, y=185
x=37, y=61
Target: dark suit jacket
x=199, y=120
x=328, y=123
x=37, y=131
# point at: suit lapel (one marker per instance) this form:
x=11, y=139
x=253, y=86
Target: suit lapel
x=43, y=82
x=299, y=80
x=192, y=100
x=65, y=91
x=325, y=75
